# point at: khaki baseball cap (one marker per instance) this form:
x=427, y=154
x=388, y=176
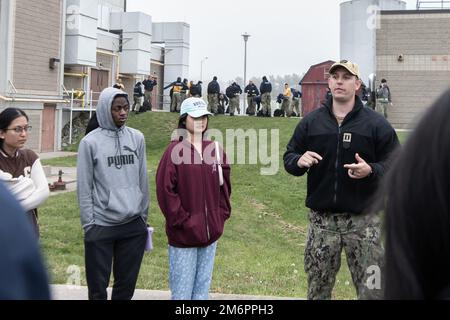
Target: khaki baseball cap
x=351, y=67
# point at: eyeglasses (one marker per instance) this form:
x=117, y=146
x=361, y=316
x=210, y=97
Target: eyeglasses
x=20, y=129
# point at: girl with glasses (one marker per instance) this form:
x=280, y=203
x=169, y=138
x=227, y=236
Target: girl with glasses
x=20, y=168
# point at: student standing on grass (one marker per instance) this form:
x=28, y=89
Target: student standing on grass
x=113, y=197
x=415, y=198
x=193, y=189
x=21, y=169
x=344, y=148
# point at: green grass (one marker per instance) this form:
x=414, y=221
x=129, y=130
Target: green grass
x=261, y=251
x=61, y=162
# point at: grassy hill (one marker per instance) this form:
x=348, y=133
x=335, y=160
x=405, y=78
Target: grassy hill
x=261, y=251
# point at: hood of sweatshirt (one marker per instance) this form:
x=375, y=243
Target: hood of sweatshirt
x=104, y=116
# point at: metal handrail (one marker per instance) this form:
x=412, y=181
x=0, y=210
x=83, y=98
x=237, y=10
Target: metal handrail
x=13, y=87
x=65, y=90
x=436, y=4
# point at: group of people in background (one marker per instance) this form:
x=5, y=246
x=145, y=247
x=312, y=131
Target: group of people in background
x=142, y=89
x=289, y=102
x=258, y=100
x=181, y=90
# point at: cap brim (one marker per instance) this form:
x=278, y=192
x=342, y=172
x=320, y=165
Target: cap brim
x=199, y=113
x=333, y=68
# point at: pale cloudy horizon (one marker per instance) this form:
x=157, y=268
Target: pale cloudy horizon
x=286, y=37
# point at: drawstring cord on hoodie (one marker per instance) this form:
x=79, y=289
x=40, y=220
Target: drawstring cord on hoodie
x=118, y=149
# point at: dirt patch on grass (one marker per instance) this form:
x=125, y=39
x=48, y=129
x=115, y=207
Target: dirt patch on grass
x=285, y=226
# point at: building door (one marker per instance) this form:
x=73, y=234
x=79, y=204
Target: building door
x=99, y=81
x=48, y=128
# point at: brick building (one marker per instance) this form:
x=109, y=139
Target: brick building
x=48, y=48
x=413, y=53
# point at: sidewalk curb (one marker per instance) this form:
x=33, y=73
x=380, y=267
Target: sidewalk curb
x=67, y=292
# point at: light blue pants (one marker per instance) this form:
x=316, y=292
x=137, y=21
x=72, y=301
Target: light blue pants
x=190, y=272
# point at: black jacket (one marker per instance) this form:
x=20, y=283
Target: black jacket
x=233, y=90
x=177, y=83
x=149, y=84
x=137, y=91
x=251, y=90
x=213, y=87
x=296, y=93
x=280, y=98
x=184, y=87
x=330, y=189
x=196, y=90
x=265, y=86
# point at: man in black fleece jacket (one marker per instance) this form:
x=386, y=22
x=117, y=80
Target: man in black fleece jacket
x=344, y=148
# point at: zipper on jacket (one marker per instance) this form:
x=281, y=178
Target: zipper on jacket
x=207, y=226
x=336, y=165
x=206, y=206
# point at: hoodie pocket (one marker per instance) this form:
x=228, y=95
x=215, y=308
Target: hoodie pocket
x=126, y=202
x=194, y=231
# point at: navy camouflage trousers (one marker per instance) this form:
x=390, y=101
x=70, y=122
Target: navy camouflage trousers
x=359, y=236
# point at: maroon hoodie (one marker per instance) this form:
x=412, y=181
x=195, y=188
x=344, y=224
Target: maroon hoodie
x=190, y=196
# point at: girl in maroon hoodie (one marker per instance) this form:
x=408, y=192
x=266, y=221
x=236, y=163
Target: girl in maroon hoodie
x=193, y=189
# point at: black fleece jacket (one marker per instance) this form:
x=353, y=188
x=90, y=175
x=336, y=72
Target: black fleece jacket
x=330, y=189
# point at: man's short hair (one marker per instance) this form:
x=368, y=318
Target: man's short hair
x=383, y=80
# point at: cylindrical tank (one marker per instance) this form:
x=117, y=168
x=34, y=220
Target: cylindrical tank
x=358, y=31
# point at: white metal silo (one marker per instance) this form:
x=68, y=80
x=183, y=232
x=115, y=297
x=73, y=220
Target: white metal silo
x=358, y=31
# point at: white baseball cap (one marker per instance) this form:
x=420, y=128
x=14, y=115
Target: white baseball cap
x=195, y=107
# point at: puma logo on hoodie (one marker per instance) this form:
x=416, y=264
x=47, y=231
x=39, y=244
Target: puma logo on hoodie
x=126, y=148
x=123, y=160
x=119, y=161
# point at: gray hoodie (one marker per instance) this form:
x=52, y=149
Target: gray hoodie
x=112, y=182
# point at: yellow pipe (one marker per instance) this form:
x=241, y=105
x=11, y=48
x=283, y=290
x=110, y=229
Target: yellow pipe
x=80, y=75
x=156, y=62
x=107, y=53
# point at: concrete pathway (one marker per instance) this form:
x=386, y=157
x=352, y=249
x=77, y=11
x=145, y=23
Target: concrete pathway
x=59, y=154
x=66, y=292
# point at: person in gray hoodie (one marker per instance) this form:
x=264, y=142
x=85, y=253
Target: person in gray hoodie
x=113, y=197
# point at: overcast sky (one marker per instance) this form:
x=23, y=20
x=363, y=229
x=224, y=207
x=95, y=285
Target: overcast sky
x=286, y=36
